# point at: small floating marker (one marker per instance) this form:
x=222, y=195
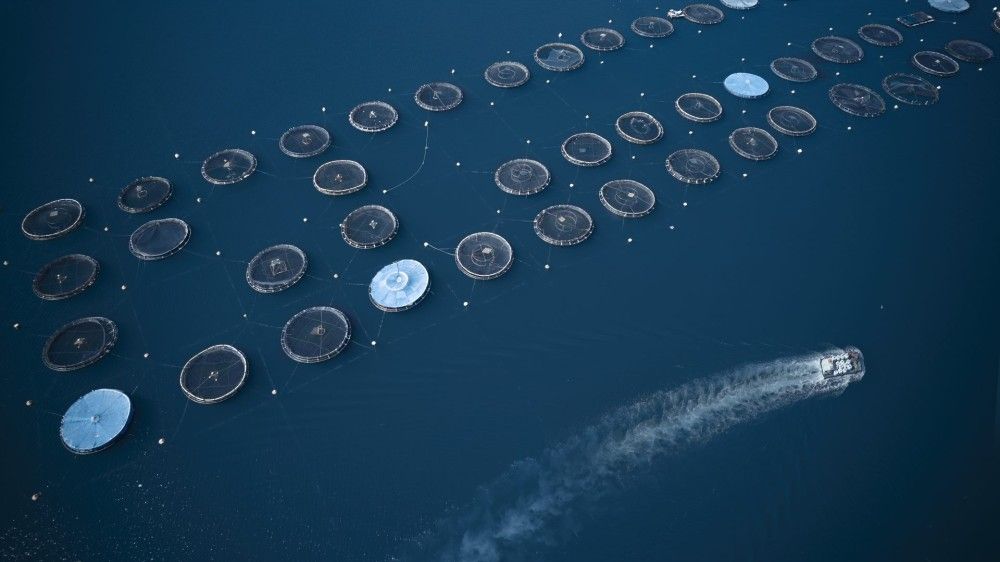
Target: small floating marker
x=465, y=303
x=244, y=314
x=586, y=116
x=274, y=392
x=124, y=287
x=671, y=227
x=426, y=123
x=498, y=211
x=633, y=157
x=848, y=127
x=198, y=200
x=690, y=132
x=336, y=276
x=218, y=252
x=629, y=240
x=35, y=496
x=793, y=91
x=5, y=263
x=744, y=174
x=602, y=62
x=547, y=81
x=458, y=163
x=831, y=29
x=305, y=219
x=161, y=441
x=177, y=155
x=684, y=204
x=374, y=342
x=642, y=94
x=744, y=59
x=895, y=106
x=837, y=73
x=253, y=132
x=323, y=109
x=789, y=43
x=699, y=31
x=744, y=111
x=453, y=71
x=105, y=229
x=546, y=266
x=491, y=104
x=17, y=325
x=694, y=76
x=560, y=35
x=571, y=185
x=529, y=141
x=91, y=180
x=28, y=403
x=145, y=355
x=799, y=151
x=384, y=191
x=426, y=244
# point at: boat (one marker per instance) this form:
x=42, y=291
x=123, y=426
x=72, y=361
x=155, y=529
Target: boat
x=847, y=362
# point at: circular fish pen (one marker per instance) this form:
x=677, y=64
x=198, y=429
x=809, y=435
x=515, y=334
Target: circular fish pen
x=627, y=198
x=857, y=100
x=910, y=89
x=158, y=239
x=145, y=194
x=693, y=166
x=214, y=374
x=745, y=85
x=792, y=121
x=969, y=51
x=304, y=141
x=559, y=57
x=563, y=225
x=65, y=277
x=53, y=219
x=373, y=116
x=602, y=39
x=753, y=143
x=638, y=127
x=522, y=176
x=703, y=14
x=438, y=96
x=95, y=421
x=276, y=268
x=340, y=177
x=228, y=166
x=399, y=286
x=507, y=74
x=935, y=63
x=315, y=334
x=653, y=27
x=586, y=149
x=80, y=343
x=368, y=227
x=484, y=255
x=793, y=69
x=881, y=35
x=840, y=50
x=949, y=6
x=697, y=107
x=739, y=4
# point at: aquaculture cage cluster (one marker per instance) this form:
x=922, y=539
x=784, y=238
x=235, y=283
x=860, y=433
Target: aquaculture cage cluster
x=320, y=333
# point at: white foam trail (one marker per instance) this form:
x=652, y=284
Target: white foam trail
x=589, y=463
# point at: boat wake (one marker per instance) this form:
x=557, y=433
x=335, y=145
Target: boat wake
x=516, y=512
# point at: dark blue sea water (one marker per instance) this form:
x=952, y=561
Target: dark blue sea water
x=882, y=233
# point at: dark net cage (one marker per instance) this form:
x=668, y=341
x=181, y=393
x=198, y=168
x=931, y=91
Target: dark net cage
x=368, y=227
x=484, y=255
x=315, y=334
x=693, y=166
x=627, y=198
x=559, y=57
x=438, y=96
x=639, y=127
x=340, y=177
x=65, y=277
x=53, y=219
x=507, y=74
x=652, y=27
x=602, y=39
x=753, y=143
x=881, y=35
x=373, y=116
x=857, y=100
x=586, y=149
x=159, y=238
x=522, y=176
x=794, y=69
x=228, y=166
x=935, y=63
x=792, y=121
x=145, y=194
x=837, y=49
x=698, y=107
x=563, y=225
x=214, y=374
x=79, y=343
x=304, y=141
x=910, y=89
x=703, y=14
x=969, y=51
x=276, y=268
